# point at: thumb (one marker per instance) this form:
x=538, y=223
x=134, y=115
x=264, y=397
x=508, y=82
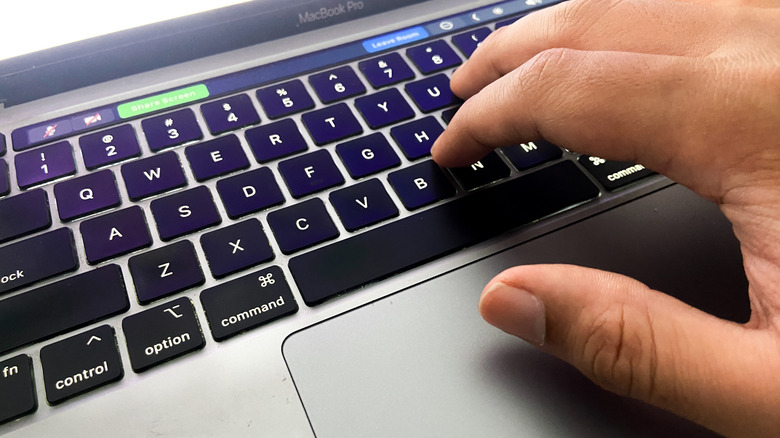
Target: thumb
x=641, y=343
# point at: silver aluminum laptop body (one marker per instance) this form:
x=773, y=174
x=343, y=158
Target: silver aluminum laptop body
x=404, y=356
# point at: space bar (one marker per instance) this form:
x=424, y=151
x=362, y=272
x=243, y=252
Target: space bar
x=411, y=241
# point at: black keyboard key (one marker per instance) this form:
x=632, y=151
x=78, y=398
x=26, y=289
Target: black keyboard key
x=416, y=138
x=434, y=56
x=17, y=388
x=367, y=155
x=86, y=195
x=386, y=70
x=310, y=173
x=2, y=145
x=5, y=183
x=62, y=306
x=384, y=108
x=284, y=99
x=337, y=84
x=230, y=113
x=485, y=171
x=23, y=214
x=216, y=157
x=533, y=153
x=109, y=146
x=363, y=204
x=247, y=302
x=80, y=364
x=384, y=251
x=249, y=192
x=508, y=22
x=185, y=212
x=37, y=258
x=421, y=184
x=165, y=271
x=115, y=234
x=432, y=93
x=171, y=129
x=469, y=41
x=237, y=247
x=162, y=333
x=331, y=124
x=302, y=225
x=276, y=140
x=44, y=164
x=448, y=114
x=614, y=174
x=152, y=176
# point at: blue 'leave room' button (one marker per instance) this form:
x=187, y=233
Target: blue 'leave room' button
x=395, y=39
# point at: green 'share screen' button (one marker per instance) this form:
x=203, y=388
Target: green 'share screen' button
x=162, y=101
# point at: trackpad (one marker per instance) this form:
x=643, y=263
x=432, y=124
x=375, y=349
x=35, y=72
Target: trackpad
x=423, y=363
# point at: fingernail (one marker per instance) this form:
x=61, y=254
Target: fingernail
x=515, y=311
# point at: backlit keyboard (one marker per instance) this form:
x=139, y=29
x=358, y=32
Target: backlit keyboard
x=291, y=192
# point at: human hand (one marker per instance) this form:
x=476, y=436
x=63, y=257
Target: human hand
x=690, y=89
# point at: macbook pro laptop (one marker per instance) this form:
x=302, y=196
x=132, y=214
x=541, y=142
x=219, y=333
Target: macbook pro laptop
x=222, y=219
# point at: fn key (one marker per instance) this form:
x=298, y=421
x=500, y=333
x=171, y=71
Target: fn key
x=17, y=390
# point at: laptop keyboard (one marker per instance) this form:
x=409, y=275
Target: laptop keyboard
x=304, y=189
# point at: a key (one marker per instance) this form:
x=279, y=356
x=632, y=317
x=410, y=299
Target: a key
x=184, y=212
x=363, y=204
x=284, y=99
x=469, y=41
x=162, y=333
x=433, y=56
x=115, y=234
x=237, y=247
x=165, y=271
x=533, y=153
x=171, y=129
x=421, y=184
x=487, y=170
x=23, y=214
x=2, y=145
x=230, y=113
x=80, y=364
x=86, y=195
x=275, y=140
x=331, y=124
x=433, y=93
x=5, y=183
x=36, y=258
x=310, y=173
x=386, y=70
x=109, y=146
x=337, y=84
x=384, y=108
x=216, y=157
x=614, y=174
x=302, y=225
x=152, y=176
x=62, y=306
x=44, y=164
x=249, y=192
x=247, y=302
x=17, y=388
x=386, y=250
x=416, y=138
x=367, y=155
